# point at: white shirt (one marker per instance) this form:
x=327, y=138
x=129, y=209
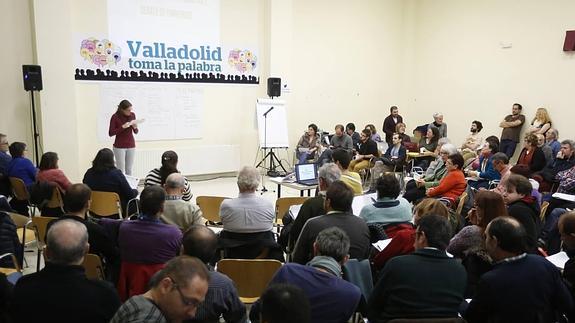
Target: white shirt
x=247, y=213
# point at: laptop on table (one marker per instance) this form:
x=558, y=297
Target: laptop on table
x=306, y=174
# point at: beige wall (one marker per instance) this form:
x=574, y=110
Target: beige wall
x=344, y=62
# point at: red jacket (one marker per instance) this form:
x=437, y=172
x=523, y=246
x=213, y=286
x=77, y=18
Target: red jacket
x=451, y=186
x=401, y=244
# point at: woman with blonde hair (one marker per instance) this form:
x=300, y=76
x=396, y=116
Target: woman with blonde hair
x=541, y=123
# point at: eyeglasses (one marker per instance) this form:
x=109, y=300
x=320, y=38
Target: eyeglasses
x=185, y=301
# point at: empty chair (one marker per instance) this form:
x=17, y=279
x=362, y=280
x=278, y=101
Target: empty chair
x=93, y=266
x=105, y=204
x=210, y=206
x=40, y=229
x=251, y=276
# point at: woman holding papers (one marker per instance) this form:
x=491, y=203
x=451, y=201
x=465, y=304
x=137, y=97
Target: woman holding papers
x=123, y=125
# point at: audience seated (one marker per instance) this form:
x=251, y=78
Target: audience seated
x=486, y=172
x=49, y=171
x=312, y=207
x=511, y=125
x=425, y=284
x=284, y=303
x=400, y=130
x=402, y=242
x=391, y=122
x=222, y=297
x=340, y=140
x=567, y=231
x=308, y=144
x=104, y=176
x=147, y=240
x=439, y=125
x=248, y=220
x=531, y=155
x=520, y=287
x=564, y=160
x=453, y=184
x=355, y=137
x=342, y=159
x=367, y=150
x=158, y=176
x=500, y=163
x=60, y=292
x=174, y=295
x=428, y=144
x=415, y=189
x=551, y=140
x=473, y=141
x=9, y=241
x=468, y=244
x=547, y=151
x=178, y=211
x=389, y=208
x=5, y=159
x=22, y=168
x=395, y=155
x=337, y=205
x=523, y=207
x=331, y=298
x=76, y=203
x=437, y=155
x=374, y=135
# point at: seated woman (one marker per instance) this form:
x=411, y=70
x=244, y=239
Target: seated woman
x=437, y=155
x=394, y=158
x=428, y=144
x=389, y=207
x=415, y=189
x=402, y=242
x=104, y=176
x=22, y=168
x=49, y=171
x=374, y=135
x=308, y=144
x=453, y=184
x=531, y=155
x=157, y=176
x=400, y=129
x=485, y=172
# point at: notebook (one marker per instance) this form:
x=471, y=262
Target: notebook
x=306, y=174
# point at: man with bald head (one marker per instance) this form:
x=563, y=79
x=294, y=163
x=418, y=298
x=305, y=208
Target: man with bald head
x=61, y=292
x=178, y=212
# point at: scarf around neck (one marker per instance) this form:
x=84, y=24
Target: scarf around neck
x=326, y=263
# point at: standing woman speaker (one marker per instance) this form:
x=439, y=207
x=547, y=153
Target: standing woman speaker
x=123, y=125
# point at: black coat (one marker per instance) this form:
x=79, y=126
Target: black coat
x=9, y=242
x=528, y=215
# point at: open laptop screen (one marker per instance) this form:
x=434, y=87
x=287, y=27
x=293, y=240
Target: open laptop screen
x=305, y=172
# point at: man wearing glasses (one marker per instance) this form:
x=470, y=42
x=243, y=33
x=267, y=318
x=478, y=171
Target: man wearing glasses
x=174, y=295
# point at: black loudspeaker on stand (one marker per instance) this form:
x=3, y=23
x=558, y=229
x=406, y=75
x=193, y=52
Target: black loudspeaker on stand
x=32, y=76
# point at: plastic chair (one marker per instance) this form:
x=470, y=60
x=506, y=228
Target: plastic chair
x=93, y=266
x=251, y=276
x=282, y=206
x=40, y=229
x=544, y=207
x=210, y=206
x=21, y=192
x=105, y=204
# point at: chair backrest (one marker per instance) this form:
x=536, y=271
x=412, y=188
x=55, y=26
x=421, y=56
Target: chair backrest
x=41, y=227
x=19, y=189
x=210, y=206
x=93, y=266
x=56, y=200
x=544, y=207
x=462, y=200
x=251, y=276
x=105, y=203
x=19, y=220
x=283, y=204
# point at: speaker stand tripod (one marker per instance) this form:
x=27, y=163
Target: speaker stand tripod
x=273, y=159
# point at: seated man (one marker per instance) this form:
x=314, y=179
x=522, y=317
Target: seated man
x=355, y=137
x=367, y=150
x=473, y=141
x=567, y=231
x=389, y=207
x=284, y=303
x=5, y=159
x=500, y=163
x=337, y=204
x=248, y=219
x=312, y=207
x=524, y=208
x=425, y=284
x=485, y=173
x=342, y=159
x=222, y=297
x=331, y=298
x=340, y=140
x=175, y=294
x=564, y=160
x=394, y=158
x=147, y=240
x=520, y=287
x=60, y=291
x=177, y=211
x=547, y=151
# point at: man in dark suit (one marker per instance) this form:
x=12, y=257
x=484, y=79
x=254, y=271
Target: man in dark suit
x=61, y=292
x=425, y=284
x=520, y=287
x=338, y=200
x=391, y=122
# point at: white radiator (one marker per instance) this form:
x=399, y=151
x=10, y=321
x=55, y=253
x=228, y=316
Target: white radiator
x=191, y=161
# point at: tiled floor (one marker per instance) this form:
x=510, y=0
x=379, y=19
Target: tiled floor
x=222, y=186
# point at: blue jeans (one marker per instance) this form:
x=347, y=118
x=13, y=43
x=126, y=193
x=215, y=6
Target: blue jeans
x=507, y=147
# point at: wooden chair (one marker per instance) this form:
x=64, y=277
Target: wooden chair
x=56, y=200
x=40, y=229
x=210, y=206
x=461, y=204
x=8, y=271
x=23, y=224
x=105, y=204
x=251, y=276
x=544, y=207
x=93, y=266
x=282, y=206
x=21, y=192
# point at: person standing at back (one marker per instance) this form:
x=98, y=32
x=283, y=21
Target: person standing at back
x=511, y=125
x=390, y=123
x=123, y=125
